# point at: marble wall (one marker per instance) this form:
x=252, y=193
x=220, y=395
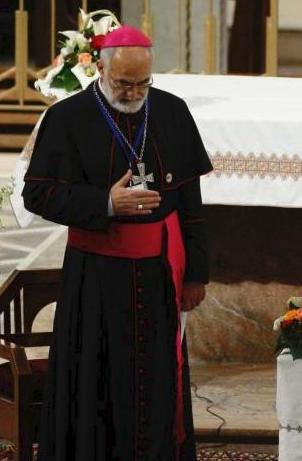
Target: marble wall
x=256, y=265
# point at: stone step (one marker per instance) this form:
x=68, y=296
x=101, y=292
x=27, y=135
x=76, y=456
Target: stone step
x=15, y=128
x=12, y=142
x=234, y=402
x=18, y=118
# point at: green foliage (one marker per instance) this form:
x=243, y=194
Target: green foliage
x=291, y=337
x=66, y=79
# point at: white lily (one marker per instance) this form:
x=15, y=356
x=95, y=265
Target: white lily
x=86, y=19
x=82, y=41
x=79, y=71
x=71, y=34
x=70, y=43
x=66, y=50
x=75, y=39
x=277, y=324
x=102, y=26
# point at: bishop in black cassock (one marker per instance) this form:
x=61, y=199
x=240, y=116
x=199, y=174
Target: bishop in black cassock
x=111, y=392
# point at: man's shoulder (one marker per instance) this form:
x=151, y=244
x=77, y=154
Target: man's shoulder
x=162, y=96
x=72, y=105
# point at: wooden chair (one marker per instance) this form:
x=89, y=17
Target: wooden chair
x=22, y=296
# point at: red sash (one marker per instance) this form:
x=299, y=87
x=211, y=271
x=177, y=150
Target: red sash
x=142, y=241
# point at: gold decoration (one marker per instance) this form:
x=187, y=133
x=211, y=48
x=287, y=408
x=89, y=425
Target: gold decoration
x=147, y=20
x=271, y=55
x=53, y=30
x=210, y=41
x=20, y=91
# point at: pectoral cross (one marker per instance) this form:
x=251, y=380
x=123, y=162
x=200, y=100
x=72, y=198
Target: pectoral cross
x=142, y=178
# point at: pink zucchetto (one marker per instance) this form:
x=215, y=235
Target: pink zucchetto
x=123, y=36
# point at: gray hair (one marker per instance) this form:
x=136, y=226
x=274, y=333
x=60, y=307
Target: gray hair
x=107, y=54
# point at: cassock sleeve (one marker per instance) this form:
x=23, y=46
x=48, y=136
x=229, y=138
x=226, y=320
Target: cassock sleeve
x=194, y=232
x=194, y=159
x=195, y=162
x=55, y=184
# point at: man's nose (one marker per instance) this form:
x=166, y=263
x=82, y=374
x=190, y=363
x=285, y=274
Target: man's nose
x=134, y=92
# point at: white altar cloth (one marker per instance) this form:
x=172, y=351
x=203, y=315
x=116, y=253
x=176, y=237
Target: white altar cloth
x=252, y=130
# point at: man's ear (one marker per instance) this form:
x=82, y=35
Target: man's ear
x=100, y=66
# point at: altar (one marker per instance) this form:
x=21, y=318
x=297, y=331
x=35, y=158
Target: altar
x=251, y=127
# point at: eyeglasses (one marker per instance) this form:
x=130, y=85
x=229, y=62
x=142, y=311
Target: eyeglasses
x=124, y=86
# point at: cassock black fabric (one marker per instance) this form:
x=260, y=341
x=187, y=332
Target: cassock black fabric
x=110, y=392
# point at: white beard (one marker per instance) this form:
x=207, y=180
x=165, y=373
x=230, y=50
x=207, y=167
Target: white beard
x=128, y=108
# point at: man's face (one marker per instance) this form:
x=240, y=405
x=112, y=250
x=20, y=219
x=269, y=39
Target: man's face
x=130, y=66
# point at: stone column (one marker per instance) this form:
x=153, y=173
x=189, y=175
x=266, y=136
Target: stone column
x=131, y=12
x=166, y=33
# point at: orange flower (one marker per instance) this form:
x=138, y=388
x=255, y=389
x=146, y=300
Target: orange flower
x=85, y=59
x=290, y=315
x=299, y=314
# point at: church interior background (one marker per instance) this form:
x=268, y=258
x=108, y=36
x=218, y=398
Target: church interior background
x=254, y=244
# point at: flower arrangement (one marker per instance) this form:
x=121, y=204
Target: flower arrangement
x=75, y=66
x=289, y=326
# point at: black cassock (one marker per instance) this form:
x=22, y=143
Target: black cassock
x=110, y=393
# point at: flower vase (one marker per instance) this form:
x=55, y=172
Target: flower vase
x=289, y=406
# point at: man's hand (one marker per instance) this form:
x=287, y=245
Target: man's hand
x=193, y=294
x=125, y=201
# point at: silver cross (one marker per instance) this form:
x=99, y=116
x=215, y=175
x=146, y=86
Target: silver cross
x=142, y=178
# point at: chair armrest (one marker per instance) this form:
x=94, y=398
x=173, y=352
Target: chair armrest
x=29, y=339
x=16, y=356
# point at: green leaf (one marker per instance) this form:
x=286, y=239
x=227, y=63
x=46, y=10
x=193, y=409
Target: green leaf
x=71, y=82
x=296, y=352
x=66, y=79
